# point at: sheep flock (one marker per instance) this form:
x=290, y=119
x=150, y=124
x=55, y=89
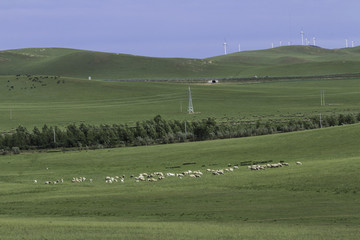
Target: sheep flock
x=158, y=176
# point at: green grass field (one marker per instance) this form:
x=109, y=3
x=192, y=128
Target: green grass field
x=281, y=61
x=97, y=102
x=318, y=200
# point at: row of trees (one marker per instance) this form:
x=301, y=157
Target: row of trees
x=156, y=131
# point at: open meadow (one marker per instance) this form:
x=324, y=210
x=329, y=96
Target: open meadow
x=316, y=200
x=63, y=100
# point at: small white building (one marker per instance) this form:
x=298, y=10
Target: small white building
x=213, y=81
x=89, y=77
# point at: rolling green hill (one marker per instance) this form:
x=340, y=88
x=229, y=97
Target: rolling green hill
x=281, y=61
x=38, y=100
x=317, y=200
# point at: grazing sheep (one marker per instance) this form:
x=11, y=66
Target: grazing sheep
x=253, y=167
x=140, y=178
x=35, y=181
x=298, y=163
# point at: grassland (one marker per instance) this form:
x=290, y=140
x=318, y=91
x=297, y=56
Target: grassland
x=318, y=200
x=67, y=100
x=282, y=61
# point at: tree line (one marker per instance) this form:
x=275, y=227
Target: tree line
x=155, y=131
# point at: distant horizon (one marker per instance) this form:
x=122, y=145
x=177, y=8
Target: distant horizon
x=82, y=49
x=181, y=29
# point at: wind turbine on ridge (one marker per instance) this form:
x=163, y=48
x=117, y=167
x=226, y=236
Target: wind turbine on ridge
x=302, y=37
x=225, y=47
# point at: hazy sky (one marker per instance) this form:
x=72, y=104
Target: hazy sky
x=176, y=28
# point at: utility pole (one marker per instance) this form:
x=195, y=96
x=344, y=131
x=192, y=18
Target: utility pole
x=185, y=130
x=190, y=107
x=322, y=97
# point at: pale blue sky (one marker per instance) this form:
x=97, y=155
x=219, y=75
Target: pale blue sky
x=186, y=28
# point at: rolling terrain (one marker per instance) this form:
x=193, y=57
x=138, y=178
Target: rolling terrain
x=281, y=61
x=38, y=100
x=316, y=200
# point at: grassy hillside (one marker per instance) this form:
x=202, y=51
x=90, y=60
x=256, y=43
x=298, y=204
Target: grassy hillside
x=99, y=65
x=61, y=101
x=318, y=200
x=282, y=61
x=293, y=61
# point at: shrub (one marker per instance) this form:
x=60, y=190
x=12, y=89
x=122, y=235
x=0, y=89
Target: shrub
x=15, y=150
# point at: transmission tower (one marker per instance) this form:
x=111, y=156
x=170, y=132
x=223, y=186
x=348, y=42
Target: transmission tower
x=190, y=108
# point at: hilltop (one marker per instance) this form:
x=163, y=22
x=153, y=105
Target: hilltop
x=281, y=61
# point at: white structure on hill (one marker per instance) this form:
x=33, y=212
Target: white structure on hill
x=190, y=107
x=225, y=47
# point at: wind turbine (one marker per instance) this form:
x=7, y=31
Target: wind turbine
x=352, y=43
x=239, y=48
x=314, y=41
x=346, y=43
x=302, y=37
x=225, y=47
